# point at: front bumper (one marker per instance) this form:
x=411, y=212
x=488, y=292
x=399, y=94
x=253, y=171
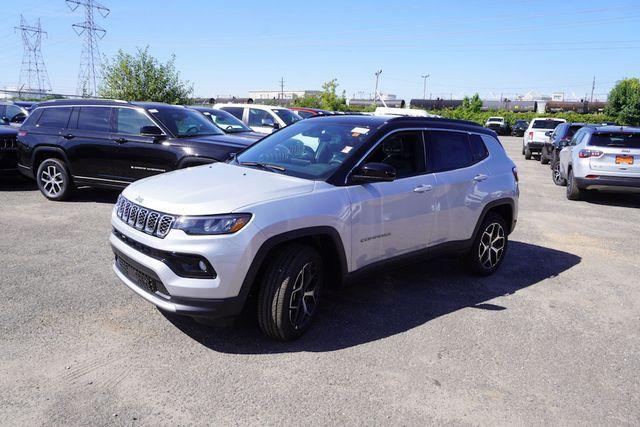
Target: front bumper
x=158, y=295
x=608, y=181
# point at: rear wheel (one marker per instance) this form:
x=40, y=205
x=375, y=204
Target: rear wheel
x=489, y=247
x=290, y=292
x=556, y=175
x=54, y=180
x=573, y=191
x=527, y=153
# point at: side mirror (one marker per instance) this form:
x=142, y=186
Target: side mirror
x=374, y=172
x=269, y=123
x=548, y=133
x=150, y=131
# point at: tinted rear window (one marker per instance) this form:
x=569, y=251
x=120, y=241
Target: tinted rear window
x=545, y=124
x=96, y=119
x=235, y=111
x=449, y=150
x=478, y=149
x=626, y=140
x=55, y=117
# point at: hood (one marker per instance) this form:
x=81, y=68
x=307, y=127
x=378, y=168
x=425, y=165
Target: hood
x=8, y=130
x=252, y=136
x=217, y=188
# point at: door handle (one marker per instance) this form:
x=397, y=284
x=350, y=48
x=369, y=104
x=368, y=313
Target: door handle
x=68, y=136
x=121, y=140
x=480, y=177
x=422, y=188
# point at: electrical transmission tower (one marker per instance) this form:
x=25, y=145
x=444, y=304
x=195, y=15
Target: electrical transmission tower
x=33, y=73
x=90, y=61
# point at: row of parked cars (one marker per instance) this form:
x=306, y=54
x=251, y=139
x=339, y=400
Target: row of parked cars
x=585, y=156
x=266, y=223
x=502, y=127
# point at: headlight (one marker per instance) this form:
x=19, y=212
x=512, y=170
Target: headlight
x=215, y=224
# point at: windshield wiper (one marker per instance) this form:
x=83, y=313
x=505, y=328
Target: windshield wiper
x=267, y=166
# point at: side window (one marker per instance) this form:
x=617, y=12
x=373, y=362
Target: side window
x=12, y=111
x=97, y=119
x=256, y=116
x=3, y=110
x=55, y=117
x=402, y=150
x=449, y=150
x=478, y=149
x=130, y=121
x=235, y=111
x=576, y=138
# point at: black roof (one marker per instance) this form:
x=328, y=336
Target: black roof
x=113, y=102
x=377, y=121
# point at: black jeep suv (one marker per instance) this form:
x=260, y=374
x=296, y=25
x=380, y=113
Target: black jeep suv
x=101, y=143
x=8, y=162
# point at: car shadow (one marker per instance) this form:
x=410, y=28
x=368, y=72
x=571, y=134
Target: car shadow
x=96, y=195
x=17, y=183
x=625, y=199
x=391, y=303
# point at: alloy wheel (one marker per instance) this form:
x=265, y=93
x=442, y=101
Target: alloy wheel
x=52, y=180
x=304, y=296
x=556, y=173
x=492, y=245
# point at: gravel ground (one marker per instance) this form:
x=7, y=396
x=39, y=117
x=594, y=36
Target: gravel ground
x=553, y=338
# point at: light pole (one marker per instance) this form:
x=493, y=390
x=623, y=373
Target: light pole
x=375, y=94
x=424, y=88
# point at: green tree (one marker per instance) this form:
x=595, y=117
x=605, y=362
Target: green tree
x=329, y=98
x=473, y=104
x=141, y=77
x=624, y=102
x=309, y=101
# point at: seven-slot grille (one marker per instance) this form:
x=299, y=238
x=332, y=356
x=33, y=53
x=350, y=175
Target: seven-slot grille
x=7, y=142
x=151, y=222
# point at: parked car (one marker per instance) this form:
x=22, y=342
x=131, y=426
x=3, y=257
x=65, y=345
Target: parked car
x=261, y=118
x=317, y=203
x=228, y=123
x=306, y=112
x=99, y=143
x=536, y=135
x=498, y=124
x=519, y=128
x=601, y=157
x=557, y=140
x=12, y=114
x=8, y=158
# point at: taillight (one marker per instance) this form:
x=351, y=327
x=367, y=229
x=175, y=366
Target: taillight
x=22, y=133
x=530, y=135
x=585, y=154
x=515, y=173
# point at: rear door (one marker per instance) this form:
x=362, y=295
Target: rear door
x=138, y=156
x=620, y=153
x=51, y=125
x=462, y=187
x=88, y=144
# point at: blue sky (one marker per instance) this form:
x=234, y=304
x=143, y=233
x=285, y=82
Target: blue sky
x=228, y=48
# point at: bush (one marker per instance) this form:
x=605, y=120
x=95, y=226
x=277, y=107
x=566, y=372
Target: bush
x=624, y=102
x=511, y=117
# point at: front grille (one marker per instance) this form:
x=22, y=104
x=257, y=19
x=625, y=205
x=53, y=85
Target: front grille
x=8, y=143
x=140, y=278
x=151, y=222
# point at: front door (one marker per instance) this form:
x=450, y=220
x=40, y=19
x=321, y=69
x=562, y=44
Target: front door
x=393, y=218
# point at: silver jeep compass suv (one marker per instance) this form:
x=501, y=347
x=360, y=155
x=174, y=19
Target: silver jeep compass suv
x=315, y=204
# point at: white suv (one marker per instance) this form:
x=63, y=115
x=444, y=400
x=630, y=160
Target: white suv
x=313, y=205
x=537, y=134
x=261, y=118
x=600, y=157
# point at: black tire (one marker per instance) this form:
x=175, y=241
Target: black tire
x=483, y=260
x=543, y=158
x=54, y=180
x=556, y=176
x=573, y=191
x=285, y=311
x=527, y=153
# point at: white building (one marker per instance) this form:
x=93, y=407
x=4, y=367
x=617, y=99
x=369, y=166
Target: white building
x=276, y=94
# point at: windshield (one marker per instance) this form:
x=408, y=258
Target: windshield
x=495, y=119
x=309, y=149
x=626, y=140
x=226, y=121
x=546, y=124
x=522, y=123
x=287, y=116
x=183, y=122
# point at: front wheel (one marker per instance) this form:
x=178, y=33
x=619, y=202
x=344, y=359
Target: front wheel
x=489, y=247
x=290, y=291
x=54, y=180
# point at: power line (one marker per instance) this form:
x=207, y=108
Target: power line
x=90, y=61
x=33, y=72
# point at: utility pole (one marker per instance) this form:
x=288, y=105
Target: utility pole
x=90, y=63
x=281, y=87
x=424, y=87
x=375, y=94
x=33, y=73
x=593, y=87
